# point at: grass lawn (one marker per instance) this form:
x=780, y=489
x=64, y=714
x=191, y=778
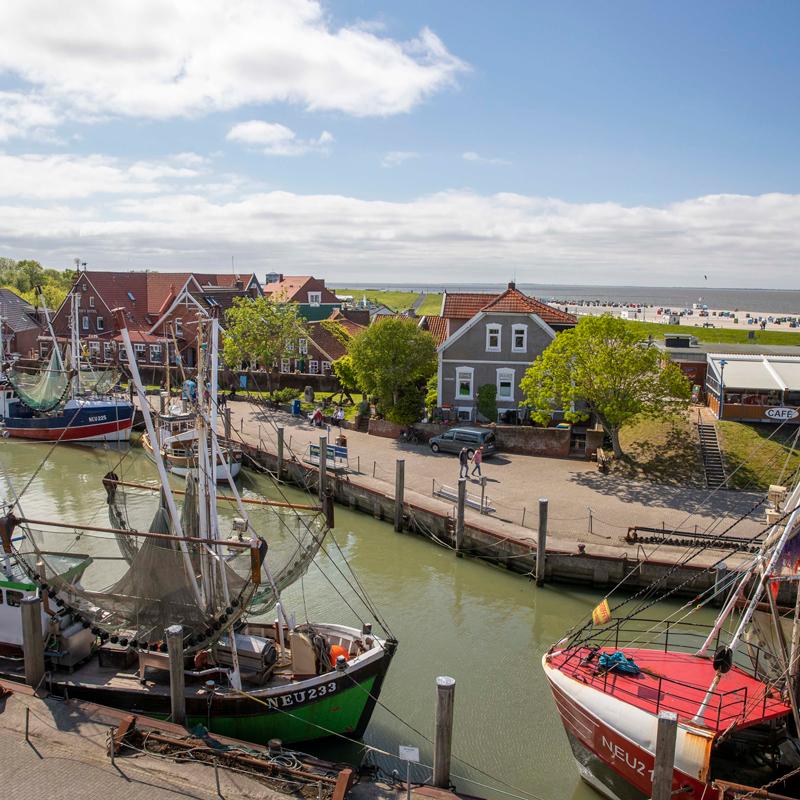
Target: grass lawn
x=432, y=304
x=665, y=450
x=349, y=410
x=757, y=470
x=714, y=335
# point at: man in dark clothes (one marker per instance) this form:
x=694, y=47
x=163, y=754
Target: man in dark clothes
x=463, y=460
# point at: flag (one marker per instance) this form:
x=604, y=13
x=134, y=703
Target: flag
x=602, y=614
x=774, y=586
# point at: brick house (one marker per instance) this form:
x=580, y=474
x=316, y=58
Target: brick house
x=316, y=301
x=20, y=326
x=318, y=352
x=492, y=339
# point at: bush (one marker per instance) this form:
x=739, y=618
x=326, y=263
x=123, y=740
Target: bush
x=487, y=401
x=432, y=396
x=286, y=395
x=407, y=410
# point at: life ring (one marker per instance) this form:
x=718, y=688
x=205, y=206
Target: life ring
x=5, y=434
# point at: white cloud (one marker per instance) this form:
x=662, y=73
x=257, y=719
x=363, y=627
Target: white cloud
x=470, y=156
x=62, y=177
x=394, y=158
x=165, y=219
x=274, y=139
x=158, y=60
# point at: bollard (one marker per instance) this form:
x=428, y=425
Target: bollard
x=177, y=688
x=226, y=421
x=720, y=577
x=483, y=495
x=280, y=452
x=445, y=692
x=32, y=640
x=541, y=542
x=462, y=503
x=27, y=723
x=665, y=755
x=399, y=491
x=323, y=465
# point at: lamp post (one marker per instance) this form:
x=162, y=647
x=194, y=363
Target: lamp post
x=722, y=364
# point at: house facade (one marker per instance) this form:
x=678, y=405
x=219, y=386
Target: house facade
x=316, y=301
x=19, y=324
x=495, y=345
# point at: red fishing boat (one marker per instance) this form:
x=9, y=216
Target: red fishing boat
x=732, y=684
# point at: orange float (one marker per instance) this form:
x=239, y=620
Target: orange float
x=336, y=651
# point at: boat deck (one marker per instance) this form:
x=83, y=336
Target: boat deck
x=678, y=682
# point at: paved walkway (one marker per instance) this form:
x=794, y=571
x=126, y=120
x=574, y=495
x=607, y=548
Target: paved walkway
x=516, y=482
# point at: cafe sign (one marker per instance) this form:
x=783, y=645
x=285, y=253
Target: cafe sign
x=782, y=414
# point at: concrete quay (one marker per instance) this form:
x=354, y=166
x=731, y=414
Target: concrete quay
x=599, y=557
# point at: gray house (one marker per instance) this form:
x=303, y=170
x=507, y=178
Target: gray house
x=492, y=339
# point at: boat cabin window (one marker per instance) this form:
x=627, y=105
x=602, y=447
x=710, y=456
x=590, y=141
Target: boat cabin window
x=13, y=598
x=1, y=597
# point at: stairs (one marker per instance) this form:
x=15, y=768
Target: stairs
x=712, y=456
x=363, y=425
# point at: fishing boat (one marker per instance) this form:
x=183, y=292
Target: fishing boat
x=176, y=435
x=189, y=587
x=733, y=684
x=65, y=402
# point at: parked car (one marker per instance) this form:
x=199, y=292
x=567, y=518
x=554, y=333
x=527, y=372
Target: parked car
x=454, y=440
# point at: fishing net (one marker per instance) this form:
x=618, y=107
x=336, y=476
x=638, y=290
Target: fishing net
x=764, y=646
x=44, y=390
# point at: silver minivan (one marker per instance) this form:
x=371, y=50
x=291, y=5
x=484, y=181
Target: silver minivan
x=454, y=440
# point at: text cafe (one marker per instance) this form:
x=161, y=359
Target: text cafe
x=753, y=388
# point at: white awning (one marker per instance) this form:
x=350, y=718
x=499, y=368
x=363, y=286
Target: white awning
x=747, y=375
x=788, y=372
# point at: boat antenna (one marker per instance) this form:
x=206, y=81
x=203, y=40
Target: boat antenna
x=40, y=295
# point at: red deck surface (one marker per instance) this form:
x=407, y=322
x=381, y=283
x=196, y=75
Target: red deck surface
x=679, y=682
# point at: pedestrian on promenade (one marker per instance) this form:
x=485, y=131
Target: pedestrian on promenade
x=463, y=460
x=338, y=416
x=476, y=461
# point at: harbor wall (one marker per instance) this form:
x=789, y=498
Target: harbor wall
x=565, y=562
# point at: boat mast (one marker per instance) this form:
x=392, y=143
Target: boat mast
x=40, y=295
x=76, y=363
x=202, y=469
x=119, y=314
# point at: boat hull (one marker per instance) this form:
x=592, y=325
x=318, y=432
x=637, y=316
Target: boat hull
x=183, y=466
x=86, y=422
x=614, y=743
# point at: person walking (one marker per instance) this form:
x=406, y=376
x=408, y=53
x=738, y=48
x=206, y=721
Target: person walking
x=463, y=460
x=476, y=461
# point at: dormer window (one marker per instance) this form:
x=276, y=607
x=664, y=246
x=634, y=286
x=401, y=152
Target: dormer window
x=314, y=298
x=493, y=338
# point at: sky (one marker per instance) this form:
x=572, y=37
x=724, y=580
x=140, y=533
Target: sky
x=584, y=142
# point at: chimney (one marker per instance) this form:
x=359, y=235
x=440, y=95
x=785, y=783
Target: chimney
x=280, y=277
x=239, y=284
x=512, y=285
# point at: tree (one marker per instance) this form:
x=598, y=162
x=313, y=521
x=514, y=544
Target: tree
x=392, y=357
x=606, y=367
x=432, y=393
x=487, y=401
x=261, y=332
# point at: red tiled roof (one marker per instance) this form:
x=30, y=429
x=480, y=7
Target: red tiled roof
x=139, y=337
x=325, y=341
x=436, y=326
x=465, y=306
x=512, y=301
x=289, y=287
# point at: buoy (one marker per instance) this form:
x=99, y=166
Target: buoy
x=5, y=434
x=337, y=651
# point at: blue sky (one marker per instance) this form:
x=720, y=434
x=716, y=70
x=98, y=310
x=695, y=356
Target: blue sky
x=607, y=142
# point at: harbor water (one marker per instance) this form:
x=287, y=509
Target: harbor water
x=481, y=625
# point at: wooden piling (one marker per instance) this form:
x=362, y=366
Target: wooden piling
x=32, y=640
x=443, y=738
x=399, y=491
x=323, y=465
x=280, y=452
x=462, y=504
x=666, y=738
x=541, y=542
x=720, y=577
x=177, y=687
x=226, y=421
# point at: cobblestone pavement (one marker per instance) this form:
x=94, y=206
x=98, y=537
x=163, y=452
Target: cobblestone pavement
x=516, y=482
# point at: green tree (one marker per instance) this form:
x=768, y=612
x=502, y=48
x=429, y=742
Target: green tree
x=432, y=394
x=261, y=332
x=392, y=357
x=606, y=367
x=487, y=401
x=345, y=372
x=406, y=410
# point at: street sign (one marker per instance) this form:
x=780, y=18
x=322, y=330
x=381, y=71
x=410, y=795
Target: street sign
x=782, y=413
x=409, y=753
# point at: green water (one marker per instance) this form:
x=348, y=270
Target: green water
x=481, y=625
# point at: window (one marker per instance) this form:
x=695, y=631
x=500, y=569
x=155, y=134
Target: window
x=464, y=382
x=132, y=298
x=465, y=414
x=85, y=323
x=13, y=598
x=290, y=346
x=94, y=349
x=284, y=365
x=303, y=346
x=101, y=325
x=91, y=302
x=326, y=366
x=492, y=337
x=313, y=367
x=139, y=350
x=155, y=353
x=314, y=298
x=123, y=353
x=108, y=350
x=519, y=338
x=179, y=327
x=42, y=350
x=505, y=385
